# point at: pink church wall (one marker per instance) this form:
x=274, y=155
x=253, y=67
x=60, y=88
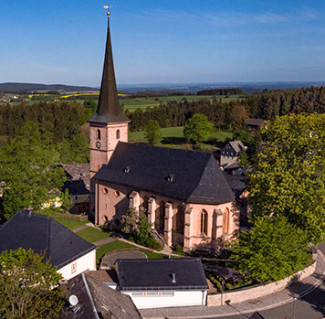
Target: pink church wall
x=113, y=201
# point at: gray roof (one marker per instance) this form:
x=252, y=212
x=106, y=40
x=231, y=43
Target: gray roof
x=161, y=274
x=189, y=176
x=108, y=109
x=78, y=178
x=107, y=302
x=237, y=146
x=255, y=122
x=43, y=234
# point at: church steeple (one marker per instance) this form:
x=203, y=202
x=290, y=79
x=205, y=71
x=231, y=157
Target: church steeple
x=108, y=109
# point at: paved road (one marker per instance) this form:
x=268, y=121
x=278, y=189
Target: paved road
x=311, y=306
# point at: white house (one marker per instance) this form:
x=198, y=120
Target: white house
x=158, y=283
x=71, y=254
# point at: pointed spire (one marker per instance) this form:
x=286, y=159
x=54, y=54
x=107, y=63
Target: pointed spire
x=108, y=109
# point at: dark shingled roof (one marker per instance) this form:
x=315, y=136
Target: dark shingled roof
x=43, y=234
x=255, y=122
x=107, y=302
x=158, y=274
x=108, y=110
x=188, y=176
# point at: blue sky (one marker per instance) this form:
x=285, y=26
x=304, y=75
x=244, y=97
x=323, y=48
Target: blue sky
x=163, y=41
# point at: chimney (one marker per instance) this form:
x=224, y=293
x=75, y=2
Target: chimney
x=173, y=276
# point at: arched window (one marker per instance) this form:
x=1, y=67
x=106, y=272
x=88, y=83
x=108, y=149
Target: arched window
x=204, y=222
x=98, y=134
x=118, y=134
x=225, y=224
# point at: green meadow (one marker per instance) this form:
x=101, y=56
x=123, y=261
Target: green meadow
x=173, y=137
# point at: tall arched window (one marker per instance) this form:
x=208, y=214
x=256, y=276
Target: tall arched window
x=225, y=224
x=98, y=134
x=118, y=134
x=204, y=222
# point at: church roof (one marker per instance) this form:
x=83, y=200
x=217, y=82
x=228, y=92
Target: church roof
x=108, y=109
x=43, y=234
x=161, y=274
x=189, y=176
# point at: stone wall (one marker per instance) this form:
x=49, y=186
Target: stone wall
x=244, y=294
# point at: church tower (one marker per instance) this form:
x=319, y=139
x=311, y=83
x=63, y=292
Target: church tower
x=108, y=125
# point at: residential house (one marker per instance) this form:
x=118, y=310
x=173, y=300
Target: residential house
x=158, y=283
x=71, y=254
x=78, y=186
x=230, y=153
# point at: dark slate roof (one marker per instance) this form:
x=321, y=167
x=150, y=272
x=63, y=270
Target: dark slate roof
x=107, y=302
x=76, y=187
x=43, y=234
x=157, y=274
x=256, y=315
x=108, y=109
x=189, y=176
x=236, y=182
x=255, y=122
x=78, y=178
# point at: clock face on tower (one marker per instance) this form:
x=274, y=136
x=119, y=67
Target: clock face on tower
x=98, y=145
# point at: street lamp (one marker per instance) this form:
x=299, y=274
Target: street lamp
x=295, y=297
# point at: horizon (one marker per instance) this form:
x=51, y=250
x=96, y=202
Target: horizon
x=159, y=42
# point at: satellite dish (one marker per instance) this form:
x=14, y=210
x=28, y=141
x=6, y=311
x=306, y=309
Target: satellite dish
x=73, y=300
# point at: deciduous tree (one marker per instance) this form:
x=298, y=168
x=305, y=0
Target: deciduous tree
x=26, y=170
x=196, y=129
x=29, y=286
x=271, y=250
x=152, y=132
x=288, y=178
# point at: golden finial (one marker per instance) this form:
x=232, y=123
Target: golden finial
x=108, y=7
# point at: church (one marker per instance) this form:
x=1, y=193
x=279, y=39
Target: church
x=183, y=193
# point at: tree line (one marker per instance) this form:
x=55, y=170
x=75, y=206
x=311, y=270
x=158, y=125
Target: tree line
x=266, y=105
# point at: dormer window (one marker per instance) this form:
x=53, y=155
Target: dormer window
x=126, y=169
x=118, y=134
x=170, y=178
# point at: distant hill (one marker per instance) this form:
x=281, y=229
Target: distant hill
x=31, y=87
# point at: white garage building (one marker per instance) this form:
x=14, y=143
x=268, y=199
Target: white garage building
x=158, y=283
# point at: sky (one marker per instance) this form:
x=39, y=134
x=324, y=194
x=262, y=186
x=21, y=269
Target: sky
x=162, y=41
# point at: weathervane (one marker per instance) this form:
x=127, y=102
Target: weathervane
x=108, y=7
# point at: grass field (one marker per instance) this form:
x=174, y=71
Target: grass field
x=173, y=137
x=131, y=104
x=71, y=223
x=92, y=234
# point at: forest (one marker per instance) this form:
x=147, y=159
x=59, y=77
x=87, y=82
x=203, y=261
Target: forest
x=65, y=121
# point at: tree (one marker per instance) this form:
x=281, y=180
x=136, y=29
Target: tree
x=138, y=228
x=26, y=170
x=152, y=132
x=271, y=250
x=29, y=286
x=288, y=177
x=196, y=129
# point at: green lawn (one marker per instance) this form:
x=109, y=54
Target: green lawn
x=115, y=245
x=92, y=234
x=71, y=223
x=119, y=245
x=173, y=137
